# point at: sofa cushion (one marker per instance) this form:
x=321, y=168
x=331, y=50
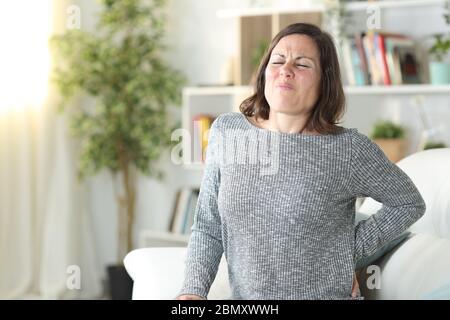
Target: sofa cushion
x=441, y=293
x=413, y=269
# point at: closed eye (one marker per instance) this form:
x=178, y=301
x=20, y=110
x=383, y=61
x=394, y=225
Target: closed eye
x=298, y=65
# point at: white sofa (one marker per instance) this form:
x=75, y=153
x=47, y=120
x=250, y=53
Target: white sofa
x=412, y=270
x=421, y=264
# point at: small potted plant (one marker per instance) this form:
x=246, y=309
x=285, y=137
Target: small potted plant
x=440, y=62
x=434, y=145
x=439, y=67
x=390, y=137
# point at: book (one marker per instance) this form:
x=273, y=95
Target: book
x=385, y=56
x=402, y=56
x=362, y=57
x=347, y=58
x=381, y=57
x=184, y=210
x=180, y=210
x=191, y=210
x=201, y=124
x=370, y=50
x=353, y=63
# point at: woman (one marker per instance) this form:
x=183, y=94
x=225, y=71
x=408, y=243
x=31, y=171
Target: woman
x=281, y=207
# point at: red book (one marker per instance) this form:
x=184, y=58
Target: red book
x=381, y=57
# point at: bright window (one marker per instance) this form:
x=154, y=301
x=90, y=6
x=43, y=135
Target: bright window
x=24, y=55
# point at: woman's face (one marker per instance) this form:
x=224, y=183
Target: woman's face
x=293, y=75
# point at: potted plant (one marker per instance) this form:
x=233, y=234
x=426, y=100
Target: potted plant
x=390, y=137
x=440, y=64
x=129, y=127
x=434, y=145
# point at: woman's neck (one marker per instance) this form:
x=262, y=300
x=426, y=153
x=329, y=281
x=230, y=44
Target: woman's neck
x=285, y=123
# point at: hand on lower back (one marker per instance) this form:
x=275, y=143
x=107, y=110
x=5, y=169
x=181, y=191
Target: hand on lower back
x=189, y=297
x=355, y=287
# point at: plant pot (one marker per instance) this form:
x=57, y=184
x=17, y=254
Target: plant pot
x=394, y=149
x=439, y=72
x=120, y=283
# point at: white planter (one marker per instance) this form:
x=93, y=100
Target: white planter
x=439, y=72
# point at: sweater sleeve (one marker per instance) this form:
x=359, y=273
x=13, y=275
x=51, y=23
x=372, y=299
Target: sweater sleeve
x=205, y=244
x=374, y=175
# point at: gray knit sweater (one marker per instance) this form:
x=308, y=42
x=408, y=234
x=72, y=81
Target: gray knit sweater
x=281, y=207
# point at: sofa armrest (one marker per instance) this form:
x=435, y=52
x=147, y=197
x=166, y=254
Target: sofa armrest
x=412, y=270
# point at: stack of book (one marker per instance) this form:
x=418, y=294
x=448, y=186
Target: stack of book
x=200, y=129
x=380, y=58
x=184, y=210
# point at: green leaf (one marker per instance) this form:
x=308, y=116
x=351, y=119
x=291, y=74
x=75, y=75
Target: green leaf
x=387, y=130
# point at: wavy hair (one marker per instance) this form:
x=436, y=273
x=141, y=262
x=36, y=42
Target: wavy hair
x=330, y=105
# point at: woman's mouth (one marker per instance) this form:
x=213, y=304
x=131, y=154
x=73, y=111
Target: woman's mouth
x=285, y=86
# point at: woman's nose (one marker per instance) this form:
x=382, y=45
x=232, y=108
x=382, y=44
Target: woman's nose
x=286, y=71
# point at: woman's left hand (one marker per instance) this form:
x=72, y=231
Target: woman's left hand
x=355, y=287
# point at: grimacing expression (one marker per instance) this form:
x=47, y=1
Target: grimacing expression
x=292, y=76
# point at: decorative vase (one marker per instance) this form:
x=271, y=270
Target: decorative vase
x=120, y=283
x=439, y=72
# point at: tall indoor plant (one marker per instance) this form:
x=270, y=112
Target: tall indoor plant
x=120, y=65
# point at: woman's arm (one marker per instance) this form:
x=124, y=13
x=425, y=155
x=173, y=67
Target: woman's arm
x=205, y=245
x=373, y=175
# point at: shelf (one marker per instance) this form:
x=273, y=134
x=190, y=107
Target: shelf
x=194, y=166
x=352, y=6
x=252, y=12
x=402, y=89
x=150, y=238
x=359, y=6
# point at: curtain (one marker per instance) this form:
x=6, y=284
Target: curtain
x=46, y=241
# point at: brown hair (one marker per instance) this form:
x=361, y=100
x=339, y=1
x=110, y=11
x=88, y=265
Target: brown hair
x=330, y=105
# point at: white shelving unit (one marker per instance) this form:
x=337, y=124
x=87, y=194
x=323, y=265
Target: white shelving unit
x=413, y=89
x=399, y=89
x=152, y=239
x=390, y=4
x=321, y=7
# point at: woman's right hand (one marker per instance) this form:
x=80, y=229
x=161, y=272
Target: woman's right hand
x=189, y=297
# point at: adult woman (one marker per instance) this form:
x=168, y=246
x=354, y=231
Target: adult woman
x=288, y=231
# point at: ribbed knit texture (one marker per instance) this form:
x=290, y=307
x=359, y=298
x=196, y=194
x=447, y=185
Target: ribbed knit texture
x=281, y=208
